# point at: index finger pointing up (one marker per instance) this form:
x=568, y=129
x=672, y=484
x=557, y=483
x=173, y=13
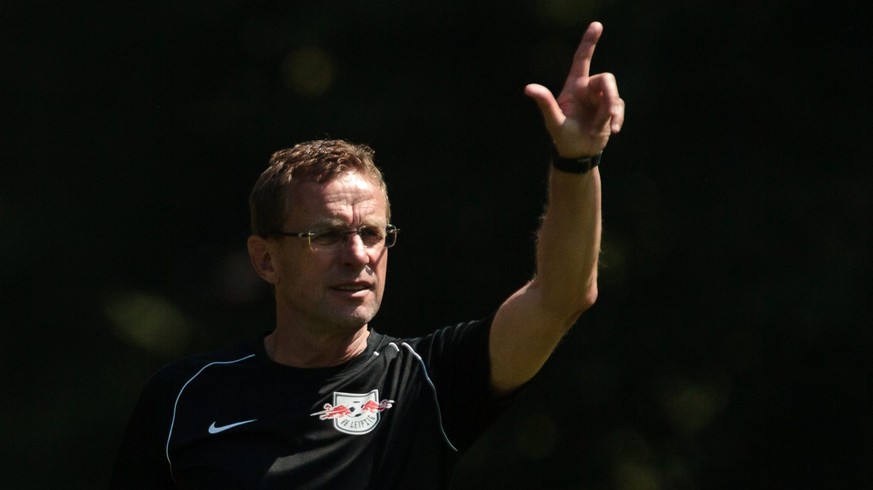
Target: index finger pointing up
x=582, y=58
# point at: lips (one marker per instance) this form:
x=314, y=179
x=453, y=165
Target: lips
x=353, y=287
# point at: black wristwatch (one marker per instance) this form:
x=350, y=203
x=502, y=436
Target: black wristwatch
x=579, y=165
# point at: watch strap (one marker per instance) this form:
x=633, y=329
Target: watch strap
x=577, y=165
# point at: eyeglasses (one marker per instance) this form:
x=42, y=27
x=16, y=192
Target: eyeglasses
x=373, y=237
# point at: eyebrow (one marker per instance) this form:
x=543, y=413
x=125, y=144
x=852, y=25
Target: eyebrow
x=337, y=223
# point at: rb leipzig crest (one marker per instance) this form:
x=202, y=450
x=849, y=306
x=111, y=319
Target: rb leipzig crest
x=354, y=413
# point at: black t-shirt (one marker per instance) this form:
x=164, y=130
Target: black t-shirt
x=396, y=416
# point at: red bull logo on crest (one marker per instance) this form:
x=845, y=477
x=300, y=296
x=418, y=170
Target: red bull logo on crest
x=354, y=413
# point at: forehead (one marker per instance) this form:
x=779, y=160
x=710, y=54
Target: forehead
x=350, y=198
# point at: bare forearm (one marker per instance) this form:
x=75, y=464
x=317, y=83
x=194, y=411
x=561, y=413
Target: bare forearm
x=533, y=320
x=568, y=244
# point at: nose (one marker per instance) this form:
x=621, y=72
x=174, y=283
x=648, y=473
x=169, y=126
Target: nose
x=354, y=249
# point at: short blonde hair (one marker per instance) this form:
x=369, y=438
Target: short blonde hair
x=312, y=161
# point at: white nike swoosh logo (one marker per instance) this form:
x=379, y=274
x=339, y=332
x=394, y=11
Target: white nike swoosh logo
x=215, y=430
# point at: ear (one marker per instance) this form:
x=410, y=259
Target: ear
x=262, y=258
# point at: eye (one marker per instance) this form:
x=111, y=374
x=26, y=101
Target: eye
x=331, y=236
x=370, y=235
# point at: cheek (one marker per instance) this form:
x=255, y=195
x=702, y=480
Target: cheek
x=298, y=271
x=381, y=272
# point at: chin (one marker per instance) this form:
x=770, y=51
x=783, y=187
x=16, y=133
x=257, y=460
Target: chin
x=357, y=318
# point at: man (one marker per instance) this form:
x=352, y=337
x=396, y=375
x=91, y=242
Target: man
x=326, y=402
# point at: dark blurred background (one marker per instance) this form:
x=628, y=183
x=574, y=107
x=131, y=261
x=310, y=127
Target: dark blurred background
x=730, y=346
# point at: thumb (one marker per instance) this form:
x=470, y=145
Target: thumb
x=552, y=114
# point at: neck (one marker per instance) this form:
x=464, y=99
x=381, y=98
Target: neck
x=298, y=349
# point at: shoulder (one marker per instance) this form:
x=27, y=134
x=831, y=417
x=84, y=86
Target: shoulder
x=469, y=334
x=175, y=374
x=463, y=342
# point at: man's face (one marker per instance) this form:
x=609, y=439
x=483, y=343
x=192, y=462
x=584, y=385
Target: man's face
x=335, y=290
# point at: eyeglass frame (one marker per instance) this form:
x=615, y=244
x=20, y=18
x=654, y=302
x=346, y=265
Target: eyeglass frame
x=390, y=230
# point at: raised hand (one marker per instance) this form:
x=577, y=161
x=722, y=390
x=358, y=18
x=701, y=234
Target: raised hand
x=588, y=110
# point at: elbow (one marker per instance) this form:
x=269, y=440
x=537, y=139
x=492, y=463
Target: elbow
x=580, y=306
x=590, y=297
x=586, y=300
x=569, y=304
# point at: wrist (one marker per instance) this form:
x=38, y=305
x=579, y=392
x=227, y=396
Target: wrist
x=575, y=165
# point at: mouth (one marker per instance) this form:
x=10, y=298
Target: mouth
x=353, y=289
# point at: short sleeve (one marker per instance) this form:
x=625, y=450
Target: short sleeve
x=458, y=362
